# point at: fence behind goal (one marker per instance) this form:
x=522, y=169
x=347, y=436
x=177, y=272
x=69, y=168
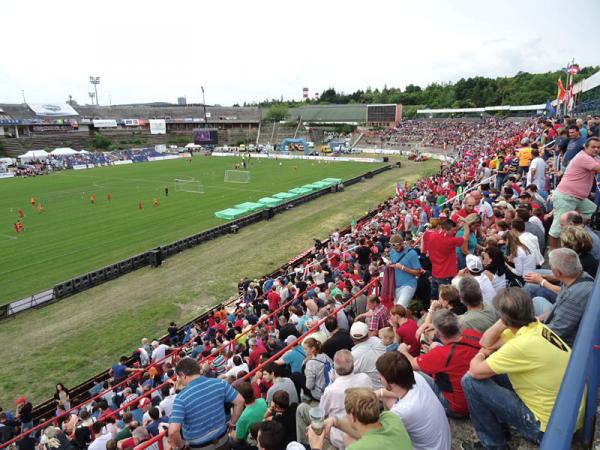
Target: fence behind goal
x=237, y=176
x=189, y=186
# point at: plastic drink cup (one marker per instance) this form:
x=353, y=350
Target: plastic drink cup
x=317, y=417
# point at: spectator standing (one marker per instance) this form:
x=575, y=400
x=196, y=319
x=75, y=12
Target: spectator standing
x=574, y=188
x=441, y=250
x=537, y=171
x=407, y=268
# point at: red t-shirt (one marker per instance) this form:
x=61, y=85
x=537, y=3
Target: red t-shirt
x=128, y=443
x=387, y=230
x=273, y=298
x=254, y=356
x=460, y=213
x=407, y=332
x=441, y=248
x=452, y=360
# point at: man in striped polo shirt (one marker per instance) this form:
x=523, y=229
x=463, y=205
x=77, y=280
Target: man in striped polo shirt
x=198, y=414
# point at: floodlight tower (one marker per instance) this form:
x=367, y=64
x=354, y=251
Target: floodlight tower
x=95, y=81
x=204, y=105
x=92, y=95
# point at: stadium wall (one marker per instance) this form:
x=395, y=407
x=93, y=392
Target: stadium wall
x=155, y=256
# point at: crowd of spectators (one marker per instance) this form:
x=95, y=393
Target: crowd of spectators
x=52, y=163
x=438, y=306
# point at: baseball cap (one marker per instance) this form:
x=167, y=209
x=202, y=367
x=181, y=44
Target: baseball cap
x=474, y=263
x=144, y=401
x=359, y=330
x=291, y=338
x=20, y=399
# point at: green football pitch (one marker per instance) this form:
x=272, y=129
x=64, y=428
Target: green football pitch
x=72, y=236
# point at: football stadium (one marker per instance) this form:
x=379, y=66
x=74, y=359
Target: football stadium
x=262, y=266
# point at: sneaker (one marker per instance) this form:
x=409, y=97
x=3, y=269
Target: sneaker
x=472, y=445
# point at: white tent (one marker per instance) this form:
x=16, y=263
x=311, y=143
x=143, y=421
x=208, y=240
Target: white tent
x=34, y=154
x=84, y=152
x=192, y=145
x=63, y=151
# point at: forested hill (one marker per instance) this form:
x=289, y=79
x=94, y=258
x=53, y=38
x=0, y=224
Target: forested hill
x=522, y=89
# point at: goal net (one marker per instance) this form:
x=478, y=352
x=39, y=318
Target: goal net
x=237, y=176
x=189, y=186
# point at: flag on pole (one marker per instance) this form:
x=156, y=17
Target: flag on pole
x=570, y=99
x=398, y=189
x=560, y=94
x=550, y=111
x=573, y=69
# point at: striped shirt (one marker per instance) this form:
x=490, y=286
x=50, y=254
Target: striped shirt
x=199, y=408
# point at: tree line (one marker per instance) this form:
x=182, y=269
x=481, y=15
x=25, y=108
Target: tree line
x=522, y=89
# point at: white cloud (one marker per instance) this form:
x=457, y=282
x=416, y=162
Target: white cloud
x=245, y=51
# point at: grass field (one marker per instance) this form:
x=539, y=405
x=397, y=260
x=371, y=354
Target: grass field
x=79, y=336
x=73, y=236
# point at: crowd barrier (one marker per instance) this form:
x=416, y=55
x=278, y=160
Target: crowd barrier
x=156, y=256
x=583, y=371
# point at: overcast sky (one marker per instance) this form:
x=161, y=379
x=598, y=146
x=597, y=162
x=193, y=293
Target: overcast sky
x=251, y=50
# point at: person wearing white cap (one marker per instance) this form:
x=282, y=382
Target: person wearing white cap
x=475, y=269
x=365, y=352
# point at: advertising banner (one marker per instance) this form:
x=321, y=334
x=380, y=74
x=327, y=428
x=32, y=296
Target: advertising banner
x=158, y=126
x=51, y=109
x=120, y=163
x=104, y=123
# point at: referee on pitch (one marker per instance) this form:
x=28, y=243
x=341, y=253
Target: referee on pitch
x=198, y=415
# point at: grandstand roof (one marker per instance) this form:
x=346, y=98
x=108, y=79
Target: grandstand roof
x=541, y=106
x=216, y=114
x=587, y=84
x=330, y=113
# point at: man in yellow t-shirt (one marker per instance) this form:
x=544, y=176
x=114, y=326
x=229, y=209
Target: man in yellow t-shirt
x=515, y=378
x=524, y=156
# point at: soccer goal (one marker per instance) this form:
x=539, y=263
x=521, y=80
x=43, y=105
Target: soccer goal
x=237, y=176
x=189, y=186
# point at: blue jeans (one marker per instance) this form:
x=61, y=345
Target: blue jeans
x=492, y=404
x=540, y=305
x=437, y=391
x=535, y=290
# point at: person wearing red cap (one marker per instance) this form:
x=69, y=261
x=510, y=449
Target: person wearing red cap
x=24, y=413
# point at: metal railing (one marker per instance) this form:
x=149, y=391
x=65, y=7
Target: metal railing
x=582, y=371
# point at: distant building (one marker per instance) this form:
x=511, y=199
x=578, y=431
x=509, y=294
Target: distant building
x=181, y=101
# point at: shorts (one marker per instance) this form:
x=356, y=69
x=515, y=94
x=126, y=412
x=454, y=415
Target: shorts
x=564, y=203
